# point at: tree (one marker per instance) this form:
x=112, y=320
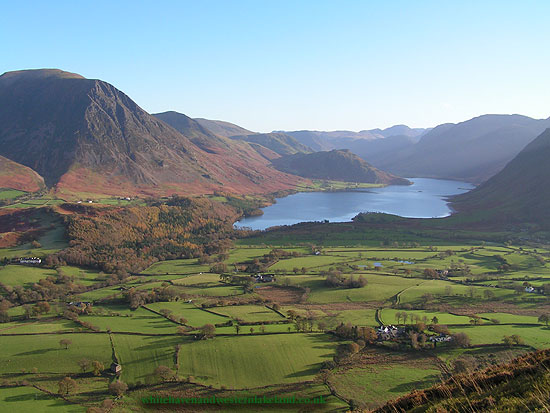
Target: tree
x=405, y=317
x=237, y=328
x=398, y=316
x=475, y=320
x=42, y=307
x=512, y=340
x=164, y=373
x=435, y=320
x=208, y=331
x=367, y=334
x=66, y=386
x=461, y=340
x=262, y=329
x=118, y=388
x=251, y=330
x=544, y=318
x=97, y=367
x=84, y=364
x=65, y=342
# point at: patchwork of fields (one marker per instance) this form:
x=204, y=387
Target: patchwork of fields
x=275, y=337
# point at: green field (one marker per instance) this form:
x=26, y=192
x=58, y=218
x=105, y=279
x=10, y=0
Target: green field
x=249, y=313
x=23, y=274
x=194, y=316
x=140, y=355
x=379, y=288
x=44, y=352
x=10, y=193
x=138, y=321
x=18, y=400
x=188, y=266
x=254, y=361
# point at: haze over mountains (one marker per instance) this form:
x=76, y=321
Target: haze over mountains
x=520, y=192
x=471, y=151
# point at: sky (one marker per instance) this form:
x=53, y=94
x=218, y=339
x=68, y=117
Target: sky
x=292, y=65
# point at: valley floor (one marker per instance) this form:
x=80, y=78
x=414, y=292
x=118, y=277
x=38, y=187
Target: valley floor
x=281, y=338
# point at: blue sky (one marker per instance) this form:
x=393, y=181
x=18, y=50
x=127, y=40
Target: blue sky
x=270, y=65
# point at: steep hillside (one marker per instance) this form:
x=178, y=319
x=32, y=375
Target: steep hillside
x=520, y=192
x=471, y=151
x=339, y=165
x=199, y=135
x=17, y=176
x=279, y=143
x=518, y=386
x=222, y=128
x=86, y=136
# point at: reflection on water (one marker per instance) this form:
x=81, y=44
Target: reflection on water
x=426, y=198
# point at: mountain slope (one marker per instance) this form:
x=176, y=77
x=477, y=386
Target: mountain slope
x=518, y=386
x=279, y=143
x=340, y=165
x=520, y=192
x=471, y=151
x=17, y=176
x=222, y=128
x=86, y=136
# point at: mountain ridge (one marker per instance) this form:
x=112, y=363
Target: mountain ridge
x=94, y=138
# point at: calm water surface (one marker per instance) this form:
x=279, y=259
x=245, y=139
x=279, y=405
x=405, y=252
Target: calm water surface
x=426, y=198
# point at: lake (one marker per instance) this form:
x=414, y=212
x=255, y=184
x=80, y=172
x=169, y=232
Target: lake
x=425, y=198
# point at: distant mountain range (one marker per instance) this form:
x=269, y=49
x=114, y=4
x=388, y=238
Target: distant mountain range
x=339, y=165
x=518, y=193
x=323, y=141
x=471, y=151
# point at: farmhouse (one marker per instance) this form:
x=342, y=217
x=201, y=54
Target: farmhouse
x=264, y=278
x=440, y=338
x=389, y=332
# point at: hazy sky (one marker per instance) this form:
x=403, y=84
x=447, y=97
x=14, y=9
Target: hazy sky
x=297, y=64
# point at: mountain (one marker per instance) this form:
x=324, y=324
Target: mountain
x=399, y=130
x=339, y=165
x=518, y=193
x=84, y=136
x=311, y=139
x=17, y=176
x=366, y=143
x=280, y=143
x=194, y=131
x=378, y=151
x=472, y=151
x=222, y=128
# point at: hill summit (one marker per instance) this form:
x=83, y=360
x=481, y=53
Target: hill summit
x=341, y=165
